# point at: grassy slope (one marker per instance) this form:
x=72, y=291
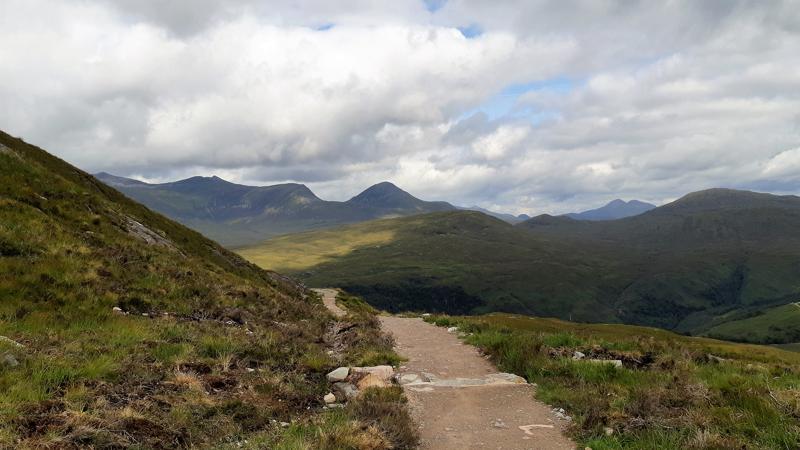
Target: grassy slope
x=672, y=393
x=779, y=324
x=224, y=353
x=685, y=284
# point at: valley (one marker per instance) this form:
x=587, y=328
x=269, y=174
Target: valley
x=690, y=266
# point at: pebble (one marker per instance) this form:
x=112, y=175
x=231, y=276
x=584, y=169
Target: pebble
x=498, y=423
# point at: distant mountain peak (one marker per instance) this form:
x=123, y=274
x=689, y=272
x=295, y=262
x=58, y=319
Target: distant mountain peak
x=382, y=192
x=615, y=209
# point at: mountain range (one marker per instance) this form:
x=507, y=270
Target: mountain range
x=711, y=257
x=237, y=215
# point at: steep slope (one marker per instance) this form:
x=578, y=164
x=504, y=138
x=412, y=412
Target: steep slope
x=121, y=328
x=688, y=266
x=616, y=209
x=237, y=215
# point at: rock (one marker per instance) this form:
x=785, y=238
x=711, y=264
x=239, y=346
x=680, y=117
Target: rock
x=452, y=329
x=615, y=362
x=409, y=378
x=329, y=398
x=426, y=315
x=372, y=380
x=344, y=391
x=608, y=431
x=714, y=359
x=11, y=342
x=498, y=423
x=285, y=424
x=338, y=375
x=9, y=360
x=502, y=378
x=578, y=355
x=117, y=310
x=383, y=372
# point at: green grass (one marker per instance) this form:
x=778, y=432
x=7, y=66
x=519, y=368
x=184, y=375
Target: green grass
x=775, y=325
x=212, y=350
x=672, y=392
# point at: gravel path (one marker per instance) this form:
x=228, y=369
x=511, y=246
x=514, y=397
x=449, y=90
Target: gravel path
x=329, y=299
x=459, y=404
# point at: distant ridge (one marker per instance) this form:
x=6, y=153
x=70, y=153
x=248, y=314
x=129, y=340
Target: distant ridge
x=616, y=209
x=510, y=218
x=237, y=215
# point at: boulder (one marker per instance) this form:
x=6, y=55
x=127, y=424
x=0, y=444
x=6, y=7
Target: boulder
x=578, y=355
x=383, y=372
x=344, y=391
x=338, y=375
x=329, y=398
x=372, y=380
x=452, y=329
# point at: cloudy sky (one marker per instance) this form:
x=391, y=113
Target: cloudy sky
x=517, y=105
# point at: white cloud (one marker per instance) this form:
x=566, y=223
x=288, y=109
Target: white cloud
x=662, y=98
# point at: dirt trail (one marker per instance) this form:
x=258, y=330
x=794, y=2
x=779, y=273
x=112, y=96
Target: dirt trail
x=460, y=402
x=458, y=399
x=329, y=299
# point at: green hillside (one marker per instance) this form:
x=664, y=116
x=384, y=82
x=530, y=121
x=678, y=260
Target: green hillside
x=123, y=329
x=775, y=325
x=236, y=215
x=687, y=266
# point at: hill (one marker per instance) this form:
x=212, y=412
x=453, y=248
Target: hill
x=510, y=218
x=616, y=209
x=237, y=215
x=688, y=266
x=120, y=328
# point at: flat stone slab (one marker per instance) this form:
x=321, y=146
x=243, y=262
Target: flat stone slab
x=492, y=379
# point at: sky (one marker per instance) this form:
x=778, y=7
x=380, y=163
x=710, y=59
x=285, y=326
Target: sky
x=514, y=105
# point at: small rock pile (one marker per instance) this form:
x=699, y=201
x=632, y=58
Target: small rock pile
x=349, y=382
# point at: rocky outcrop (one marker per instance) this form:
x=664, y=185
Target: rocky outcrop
x=349, y=382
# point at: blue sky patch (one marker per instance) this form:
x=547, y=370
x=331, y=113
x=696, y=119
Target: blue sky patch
x=504, y=103
x=472, y=31
x=434, y=5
